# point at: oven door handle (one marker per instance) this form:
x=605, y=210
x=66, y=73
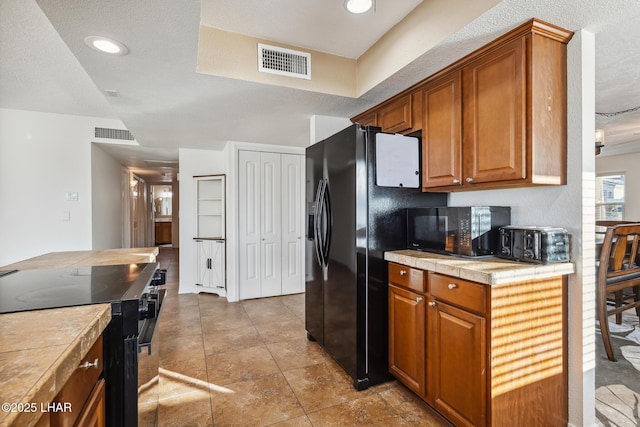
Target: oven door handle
x=148, y=326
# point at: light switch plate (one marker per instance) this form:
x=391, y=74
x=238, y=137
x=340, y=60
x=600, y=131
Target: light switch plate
x=72, y=196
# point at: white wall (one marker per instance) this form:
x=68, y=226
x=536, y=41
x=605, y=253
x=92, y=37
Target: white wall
x=322, y=127
x=571, y=207
x=42, y=157
x=627, y=164
x=106, y=196
x=193, y=163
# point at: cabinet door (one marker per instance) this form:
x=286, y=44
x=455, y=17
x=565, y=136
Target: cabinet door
x=292, y=223
x=211, y=267
x=494, y=117
x=457, y=364
x=270, y=225
x=202, y=263
x=249, y=224
x=407, y=327
x=442, y=132
x=397, y=116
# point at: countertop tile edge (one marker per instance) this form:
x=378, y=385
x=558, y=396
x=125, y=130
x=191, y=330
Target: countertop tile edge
x=499, y=272
x=51, y=381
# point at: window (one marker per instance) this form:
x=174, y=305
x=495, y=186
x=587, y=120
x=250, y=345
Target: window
x=610, y=197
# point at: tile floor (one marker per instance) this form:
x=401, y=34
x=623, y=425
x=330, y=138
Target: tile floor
x=216, y=363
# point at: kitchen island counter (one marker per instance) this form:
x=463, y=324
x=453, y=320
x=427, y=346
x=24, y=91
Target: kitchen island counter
x=486, y=270
x=39, y=351
x=86, y=258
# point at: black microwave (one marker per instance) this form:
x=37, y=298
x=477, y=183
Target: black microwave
x=464, y=230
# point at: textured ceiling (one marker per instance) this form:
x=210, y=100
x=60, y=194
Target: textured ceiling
x=45, y=66
x=318, y=24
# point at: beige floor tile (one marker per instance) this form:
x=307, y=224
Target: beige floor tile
x=370, y=410
x=231, y=319
x=297, y=353
x=294, y=299
x=147, y=414
x=261, y=402
x=302, y=421
x=191, y=409
x=173, y=325
x=187, y=347
x=270, y=314
x=148, y=385
x=322, y=385
x=298, y=310
x=231, y=339
x=221, y=310
x=240, y=365
x=182, y=376
x=281, y=331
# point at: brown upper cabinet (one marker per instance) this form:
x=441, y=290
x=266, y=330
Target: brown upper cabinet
x=399, y=115
x=497, y=117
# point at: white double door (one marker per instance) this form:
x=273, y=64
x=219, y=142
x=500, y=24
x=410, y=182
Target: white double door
x=271, y=224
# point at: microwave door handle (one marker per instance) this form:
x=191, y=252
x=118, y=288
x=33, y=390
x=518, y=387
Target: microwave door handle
x=316, y=222
x=329, y=228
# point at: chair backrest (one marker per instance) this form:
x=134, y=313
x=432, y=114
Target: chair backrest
x=620, y=249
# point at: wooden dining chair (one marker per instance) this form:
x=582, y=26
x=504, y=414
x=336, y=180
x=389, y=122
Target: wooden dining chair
x=618, y=275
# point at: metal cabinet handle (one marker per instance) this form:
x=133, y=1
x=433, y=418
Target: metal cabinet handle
x=456, y=181
x=452, y=286
x=418, y=299
x=87, y=364
x=469, y=179
x=432, y=303
x=403, y=272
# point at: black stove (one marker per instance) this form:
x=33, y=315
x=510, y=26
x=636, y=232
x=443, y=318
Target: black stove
x=27, y=290
x=131, y=289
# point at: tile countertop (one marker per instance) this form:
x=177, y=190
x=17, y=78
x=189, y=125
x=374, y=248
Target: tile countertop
x=86, y=258
x=490, y=271
x=39, y=350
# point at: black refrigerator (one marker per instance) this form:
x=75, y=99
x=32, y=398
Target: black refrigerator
x=351, y=222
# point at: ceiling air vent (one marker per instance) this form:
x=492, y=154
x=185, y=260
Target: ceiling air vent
x=113, y=136
x=285, y=62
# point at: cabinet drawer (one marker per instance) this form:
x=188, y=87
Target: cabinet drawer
x=408, y=277
x=459, y=292
x=77, y=389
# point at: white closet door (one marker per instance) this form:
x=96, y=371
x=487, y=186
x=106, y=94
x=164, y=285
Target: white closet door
x=249, y=188
x=292, y=223
x=271, y=224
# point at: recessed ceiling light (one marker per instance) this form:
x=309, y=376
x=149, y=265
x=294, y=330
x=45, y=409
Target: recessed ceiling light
x=105, y=45
x=358, y=6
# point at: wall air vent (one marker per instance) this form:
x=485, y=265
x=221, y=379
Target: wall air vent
x=284, y=62
x=114, y=136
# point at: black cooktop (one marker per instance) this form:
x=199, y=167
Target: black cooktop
x=53, y=288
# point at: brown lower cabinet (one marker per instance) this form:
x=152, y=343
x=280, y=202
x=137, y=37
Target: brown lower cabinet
x=480, y=355
x=407, y=335
x=84, y=392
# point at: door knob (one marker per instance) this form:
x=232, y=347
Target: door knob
x=456, y=181
x=418, y=299
x=403, y=272
x=432, y=303
x=469, y=179
x=452, y=286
